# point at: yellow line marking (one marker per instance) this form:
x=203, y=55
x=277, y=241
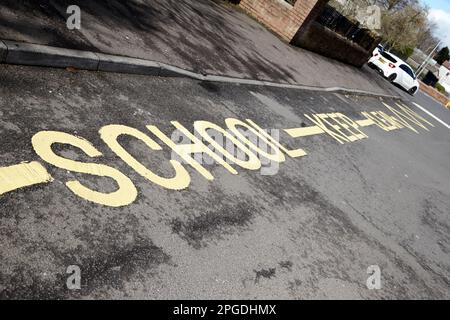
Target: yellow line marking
x=125, y=193
x=365, y=122
x=304, y=132
x=22, y=175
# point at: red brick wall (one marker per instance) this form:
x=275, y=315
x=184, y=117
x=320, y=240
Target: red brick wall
x=280, y=16
x=434, y=93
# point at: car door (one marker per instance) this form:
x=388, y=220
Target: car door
x=407, y=76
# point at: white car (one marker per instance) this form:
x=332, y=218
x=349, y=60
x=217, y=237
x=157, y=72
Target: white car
x=378, y=49
x=395, y=70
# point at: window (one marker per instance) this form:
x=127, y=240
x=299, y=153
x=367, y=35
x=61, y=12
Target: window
x=388, y=56
x=291, y=2
x=408, y=70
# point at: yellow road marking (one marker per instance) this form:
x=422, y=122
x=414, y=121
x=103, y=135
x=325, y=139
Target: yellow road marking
x=325, y=122
x=22, y=175
x=111, y=133
x=432, y=115
x=276, y=156
x=304, y=132
x=125, y=193
x=337, y=125
x=253, y=163
x=292, y=153
x=365, y=122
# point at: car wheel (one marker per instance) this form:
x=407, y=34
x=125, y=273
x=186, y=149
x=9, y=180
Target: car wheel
x=412, y=91
x=392, y=77
x=371, y=65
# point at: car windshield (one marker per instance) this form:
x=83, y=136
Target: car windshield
x=408, y=70
x=388, y=56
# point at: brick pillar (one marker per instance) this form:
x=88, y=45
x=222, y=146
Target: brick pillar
x=279, y=16
x=314, y=13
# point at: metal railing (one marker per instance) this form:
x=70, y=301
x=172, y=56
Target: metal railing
x=335, y=21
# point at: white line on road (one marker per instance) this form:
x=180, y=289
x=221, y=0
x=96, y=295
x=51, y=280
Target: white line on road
x=431, y=115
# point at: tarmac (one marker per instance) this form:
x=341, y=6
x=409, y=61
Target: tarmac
x=204, y=37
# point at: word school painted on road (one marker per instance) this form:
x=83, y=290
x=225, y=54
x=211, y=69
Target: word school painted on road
x=336, y=125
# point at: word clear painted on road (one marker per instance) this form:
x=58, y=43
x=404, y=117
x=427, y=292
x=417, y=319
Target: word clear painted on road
x=336, y=125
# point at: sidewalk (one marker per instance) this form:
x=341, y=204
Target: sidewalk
x=205, y=36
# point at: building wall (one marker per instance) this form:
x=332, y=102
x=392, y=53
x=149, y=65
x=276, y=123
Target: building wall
x=297, y=25
x=279, y=16
x=444, y=78
x=319, y=39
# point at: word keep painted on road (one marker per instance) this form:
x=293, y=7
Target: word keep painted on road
x=336, y=125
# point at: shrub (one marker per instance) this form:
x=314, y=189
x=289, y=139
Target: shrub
x=407, y=52
x=440, y=88
x=403, y=53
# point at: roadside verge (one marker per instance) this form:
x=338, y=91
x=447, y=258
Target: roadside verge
x=434, y=94
x=19, y=53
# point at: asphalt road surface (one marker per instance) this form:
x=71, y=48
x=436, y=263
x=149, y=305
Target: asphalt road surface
x=351, y=198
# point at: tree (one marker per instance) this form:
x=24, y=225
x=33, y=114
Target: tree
x=442, y=55
x=395, y=5
x=426, y=39
x=401, y=29
x=349, y=8
x=404, y=23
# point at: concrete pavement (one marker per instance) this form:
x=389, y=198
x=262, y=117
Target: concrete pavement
x=309, y=230
x=203, y=36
